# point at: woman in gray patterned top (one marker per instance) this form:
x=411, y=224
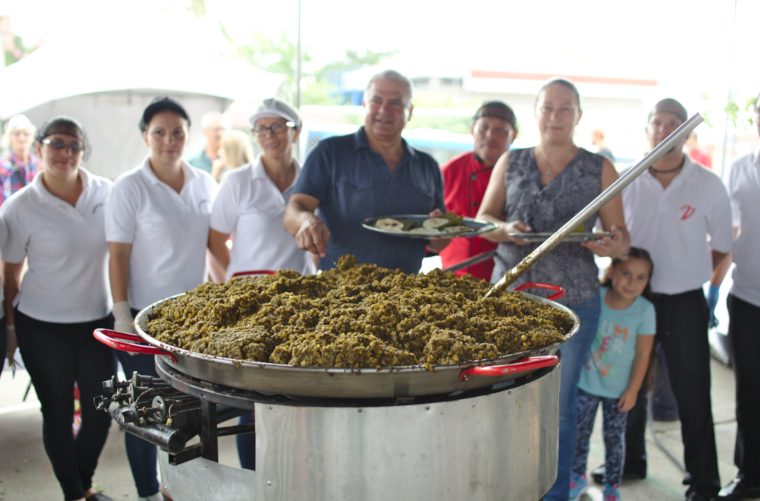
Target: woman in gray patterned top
x=540, y=189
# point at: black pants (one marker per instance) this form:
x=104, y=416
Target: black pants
x=682, y=331
x=635, y=447
x=56, y=356
x=744, y=346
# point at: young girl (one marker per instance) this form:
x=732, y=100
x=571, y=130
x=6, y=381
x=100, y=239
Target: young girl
x=615, y=367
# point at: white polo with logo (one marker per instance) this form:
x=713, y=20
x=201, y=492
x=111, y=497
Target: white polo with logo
x=673, y=224
x=168, y=231
x=251, y=208
x=67, y=254
x=744, y=190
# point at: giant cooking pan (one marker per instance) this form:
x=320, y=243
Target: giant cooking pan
x=400, y=381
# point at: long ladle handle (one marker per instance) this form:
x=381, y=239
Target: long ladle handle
x=604, y=197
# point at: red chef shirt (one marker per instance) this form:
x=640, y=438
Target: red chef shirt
x=465, y=180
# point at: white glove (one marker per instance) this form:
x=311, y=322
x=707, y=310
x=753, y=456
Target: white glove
x=122, y=316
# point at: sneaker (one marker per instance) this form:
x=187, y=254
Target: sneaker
x=578, y=485
x=611, y=492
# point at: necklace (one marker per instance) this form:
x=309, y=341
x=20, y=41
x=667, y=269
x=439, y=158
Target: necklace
x=550, y=169
x=669, y=171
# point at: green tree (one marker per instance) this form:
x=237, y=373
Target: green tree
x=20, y=51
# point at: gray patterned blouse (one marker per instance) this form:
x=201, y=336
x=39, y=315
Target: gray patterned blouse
x=546, y=209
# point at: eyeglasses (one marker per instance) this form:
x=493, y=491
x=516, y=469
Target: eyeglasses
x=19, y=133
x=278, y=128
x=74, y=148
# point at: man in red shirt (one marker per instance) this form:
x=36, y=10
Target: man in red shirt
x=465, y=179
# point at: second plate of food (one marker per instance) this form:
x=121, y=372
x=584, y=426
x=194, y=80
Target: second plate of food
x=423, y=226
x=572, y=237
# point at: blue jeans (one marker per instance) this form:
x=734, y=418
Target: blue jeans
x=142, y=455
x=246, y=445
x=573, y=355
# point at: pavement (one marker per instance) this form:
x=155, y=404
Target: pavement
x=26, y=474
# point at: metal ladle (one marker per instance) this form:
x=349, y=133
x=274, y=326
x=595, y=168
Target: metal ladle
x=604, y=197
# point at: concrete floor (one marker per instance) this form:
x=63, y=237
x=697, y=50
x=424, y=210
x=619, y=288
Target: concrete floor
x=26, y=474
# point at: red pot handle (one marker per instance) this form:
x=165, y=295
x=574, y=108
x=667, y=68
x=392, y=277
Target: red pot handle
x=136, y=344
x=526, y=364
x=540, y=285
x=255, y=272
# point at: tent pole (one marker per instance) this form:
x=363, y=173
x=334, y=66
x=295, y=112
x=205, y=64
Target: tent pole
x=298, y=59
x=730, y=94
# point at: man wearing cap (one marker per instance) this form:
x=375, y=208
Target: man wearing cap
x=20, y=166
x=671, y=210
x=370, y=173
x=465, y=179
x=213, y=128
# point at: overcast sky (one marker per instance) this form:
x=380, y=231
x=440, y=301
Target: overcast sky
x=682, y=43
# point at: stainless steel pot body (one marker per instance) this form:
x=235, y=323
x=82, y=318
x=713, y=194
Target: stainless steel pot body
x=405, y=381
x=499, y=446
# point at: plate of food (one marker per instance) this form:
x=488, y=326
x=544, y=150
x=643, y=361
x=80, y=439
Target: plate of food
x=447, y=225
x=572, y=237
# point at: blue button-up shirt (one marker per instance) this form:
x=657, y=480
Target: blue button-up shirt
x=352, y=182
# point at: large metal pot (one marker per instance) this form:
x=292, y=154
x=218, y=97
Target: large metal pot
x=402, y=381
x=500, y=445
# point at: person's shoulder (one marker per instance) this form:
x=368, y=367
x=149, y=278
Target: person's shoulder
x=342, y=142
x=131, y=177
x=708, y=177
x=98, y=181
x=19, y=202
x=642, y=306
x=5, y=166
x=457, y=162
x=424, y=158
x=237, y=179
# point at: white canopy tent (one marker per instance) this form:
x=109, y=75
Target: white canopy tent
x=105, y=79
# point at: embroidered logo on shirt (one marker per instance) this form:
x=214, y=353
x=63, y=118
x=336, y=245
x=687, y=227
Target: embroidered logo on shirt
x=688, y=211
x=96, y=208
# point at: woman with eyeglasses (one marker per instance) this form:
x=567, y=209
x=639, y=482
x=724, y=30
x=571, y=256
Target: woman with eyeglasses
x=157, y=223
x=57, y=223
x=539, y=189
x=250, y=207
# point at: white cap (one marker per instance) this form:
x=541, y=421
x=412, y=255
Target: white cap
x=19, y=122
x=274, y=108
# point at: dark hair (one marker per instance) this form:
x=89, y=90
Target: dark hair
x=496, y=109
x=637, y=253
x=159, y=104
x=564, y=82
x=65, y=125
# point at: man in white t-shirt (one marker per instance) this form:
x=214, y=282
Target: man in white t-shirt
x=670, y=211
x=744, y=313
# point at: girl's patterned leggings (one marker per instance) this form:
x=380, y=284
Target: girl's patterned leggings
x=613, y=431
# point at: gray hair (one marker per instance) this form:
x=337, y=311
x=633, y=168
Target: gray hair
x=211, y=117
x=394, y=76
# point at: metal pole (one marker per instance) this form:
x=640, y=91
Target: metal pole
x=604, y=197
x=298, y=59
x=730, y=93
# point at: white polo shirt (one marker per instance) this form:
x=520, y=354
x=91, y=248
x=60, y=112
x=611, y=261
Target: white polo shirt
x=3, y=238
x=168, y=231
x=744, y=190
x=673, y=225
x=251, y=208
x=67, y=276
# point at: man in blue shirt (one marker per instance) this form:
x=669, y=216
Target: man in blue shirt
x=370, y=173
